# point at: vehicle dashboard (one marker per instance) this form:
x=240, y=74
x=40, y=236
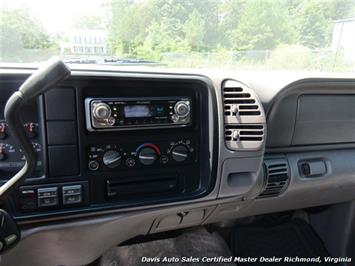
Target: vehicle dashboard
x=126, y=152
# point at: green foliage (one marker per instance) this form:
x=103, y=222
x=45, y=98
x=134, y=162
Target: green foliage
x=275, y=34
x=28, y=29
x=312, y=24
x=151, y=28
x=19, y=32
x=262, y=25
x=176, y=24
x=193, y=29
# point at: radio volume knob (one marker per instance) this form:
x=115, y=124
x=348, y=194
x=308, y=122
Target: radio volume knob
x=147, y=156
x=101, y=111
x=182, y=108
x=180, y=153
x=112, y=159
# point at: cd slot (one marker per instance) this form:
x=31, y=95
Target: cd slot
x=141, y=186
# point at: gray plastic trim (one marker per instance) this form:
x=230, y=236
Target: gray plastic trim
x=242, y=176
x=283, y=111
x=336, y=186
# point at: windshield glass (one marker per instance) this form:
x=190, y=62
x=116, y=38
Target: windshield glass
x=314, y=35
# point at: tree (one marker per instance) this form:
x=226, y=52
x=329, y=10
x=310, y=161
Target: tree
x=151, y=28
x=19, y=31
x=194, y=29
x=230, y=14
x=312, y=24
x=263, y=25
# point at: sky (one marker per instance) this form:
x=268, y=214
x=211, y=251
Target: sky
x=57, y=15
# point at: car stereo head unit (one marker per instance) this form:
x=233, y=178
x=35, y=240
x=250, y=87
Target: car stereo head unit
x=137, y=113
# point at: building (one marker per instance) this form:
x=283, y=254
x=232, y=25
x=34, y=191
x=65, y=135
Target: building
x=85, y=42
x=343, y=39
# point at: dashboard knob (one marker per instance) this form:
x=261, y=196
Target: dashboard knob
x=111, y=159
x=3, y=128
x=180, y=153
x=182, y=108
x=31, y=130
x=101, y=111
x=147, y=156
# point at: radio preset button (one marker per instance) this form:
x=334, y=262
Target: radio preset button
x=112, y=159
x=101, y=111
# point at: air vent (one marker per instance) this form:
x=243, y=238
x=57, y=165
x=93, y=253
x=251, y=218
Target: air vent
x=244, y=136
x=244, y=118
x=239, y=102
x=277, y=177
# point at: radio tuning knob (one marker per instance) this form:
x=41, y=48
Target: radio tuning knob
x=111, y=159
x=182, y=108
x=180, y=153
x=101, y=111
x=147, y=156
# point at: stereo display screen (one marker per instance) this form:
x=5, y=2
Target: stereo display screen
x=137, y=111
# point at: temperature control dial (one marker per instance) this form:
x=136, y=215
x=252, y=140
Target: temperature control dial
x=180, y=153
x=147, y=156
x=112, y=159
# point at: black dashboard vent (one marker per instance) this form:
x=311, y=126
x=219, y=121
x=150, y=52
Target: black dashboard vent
x=238, y=102
x=277, y=176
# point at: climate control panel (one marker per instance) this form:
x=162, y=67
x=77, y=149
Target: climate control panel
x=108, y=157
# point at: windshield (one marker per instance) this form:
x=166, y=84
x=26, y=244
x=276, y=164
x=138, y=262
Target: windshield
x=312, y=35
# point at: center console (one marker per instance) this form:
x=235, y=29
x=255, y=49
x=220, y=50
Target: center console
x=118, y=142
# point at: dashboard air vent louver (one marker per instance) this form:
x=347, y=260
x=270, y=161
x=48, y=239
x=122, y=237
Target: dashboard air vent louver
x=238, y=102
x=277, y=176
x=244, y=136
x=243, y=116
